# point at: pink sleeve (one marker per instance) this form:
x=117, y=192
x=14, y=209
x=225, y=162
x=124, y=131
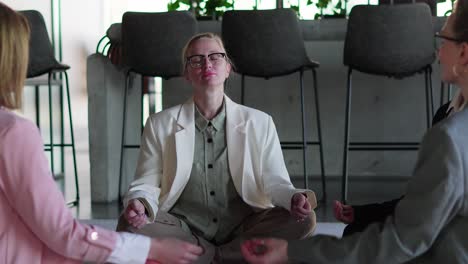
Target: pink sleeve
x=33, y=194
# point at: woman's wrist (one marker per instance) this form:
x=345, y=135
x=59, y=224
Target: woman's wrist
x=154, y=248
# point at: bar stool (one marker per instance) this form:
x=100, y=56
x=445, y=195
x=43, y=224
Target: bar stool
x=269, y=43
x=110, y=45
x=380, y=40
x=42, y=61
x=151, y=46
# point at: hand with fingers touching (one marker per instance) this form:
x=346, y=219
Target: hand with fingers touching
x=135, y=213
x=173, y=251
x=265, y=251
x=300, y=206
x=343, y=212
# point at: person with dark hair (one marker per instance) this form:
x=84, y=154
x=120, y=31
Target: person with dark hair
x=212, y=171
x=430, y=223
x=359, y=217
x=35, y=224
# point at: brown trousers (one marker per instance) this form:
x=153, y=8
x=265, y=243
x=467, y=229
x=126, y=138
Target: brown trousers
x=275, y=222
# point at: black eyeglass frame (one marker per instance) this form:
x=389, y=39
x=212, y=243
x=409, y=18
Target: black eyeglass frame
x=438, y=35
x=189, y=59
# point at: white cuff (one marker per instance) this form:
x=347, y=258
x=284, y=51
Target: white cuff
x=130, y=248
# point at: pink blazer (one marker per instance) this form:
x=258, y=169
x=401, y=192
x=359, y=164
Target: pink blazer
x=35, y=224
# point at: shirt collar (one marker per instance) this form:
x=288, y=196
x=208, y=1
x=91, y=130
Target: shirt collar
x=457, y=103
x=217, y=122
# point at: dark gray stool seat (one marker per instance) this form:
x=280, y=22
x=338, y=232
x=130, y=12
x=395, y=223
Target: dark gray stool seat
x=395, y=41
x=269, y=43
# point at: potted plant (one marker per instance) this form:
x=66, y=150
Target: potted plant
x=203, y=9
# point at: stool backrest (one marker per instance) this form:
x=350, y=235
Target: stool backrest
x=264, y=43
x=41, y=52
x=392, y=40
x=152, y=42
x=431, y=3
x=114, y=33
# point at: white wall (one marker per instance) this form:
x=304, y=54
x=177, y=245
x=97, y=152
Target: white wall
x=82, y=27
x=83, y=24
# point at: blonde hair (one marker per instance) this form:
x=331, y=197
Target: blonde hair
x=14, y=52
x=207, y=35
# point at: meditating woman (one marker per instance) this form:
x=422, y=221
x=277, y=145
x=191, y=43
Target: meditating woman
x=211, y=170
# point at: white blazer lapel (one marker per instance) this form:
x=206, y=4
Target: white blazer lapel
x=184, y=143
x=236, y=142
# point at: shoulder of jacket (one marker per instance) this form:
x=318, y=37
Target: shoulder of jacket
x=10, y=121
x=254, y=114
x=171, y=112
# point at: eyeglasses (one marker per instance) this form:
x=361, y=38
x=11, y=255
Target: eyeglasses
x=438, y=35
x=197, y=61
x=445, y=38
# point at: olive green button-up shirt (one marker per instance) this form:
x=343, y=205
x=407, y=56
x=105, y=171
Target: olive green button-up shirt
x=210, y=204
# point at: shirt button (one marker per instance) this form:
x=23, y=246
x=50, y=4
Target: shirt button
x=212, y=193
x=210, y=140
x=210, y=166
x=94, y=235
x=215, y=220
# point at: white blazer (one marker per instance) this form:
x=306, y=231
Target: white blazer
x=255, y=159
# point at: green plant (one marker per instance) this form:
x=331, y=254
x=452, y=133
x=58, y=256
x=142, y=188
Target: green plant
x=449, y=12
x=210, y=8
x=175, y=5
x=338, y=10
x=296, y=9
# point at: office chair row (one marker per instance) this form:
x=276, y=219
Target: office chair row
x=152, y=42
x=268, y=43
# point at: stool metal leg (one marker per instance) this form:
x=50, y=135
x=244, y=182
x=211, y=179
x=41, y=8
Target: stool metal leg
x=431, y=96
x=344, y=180
x=428, y=98
x=151, y=95
x=122, y=142
x=142, y=99
x=304, y=138
x=243, y=89
x=72, y=135
x=442, y=94
x=62, y=136
x=51, y=125
x=38, y=113
x=432, y=92
x=319, y=135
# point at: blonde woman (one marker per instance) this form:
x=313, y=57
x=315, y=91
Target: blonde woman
x=211, y=170
x=35, y=224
